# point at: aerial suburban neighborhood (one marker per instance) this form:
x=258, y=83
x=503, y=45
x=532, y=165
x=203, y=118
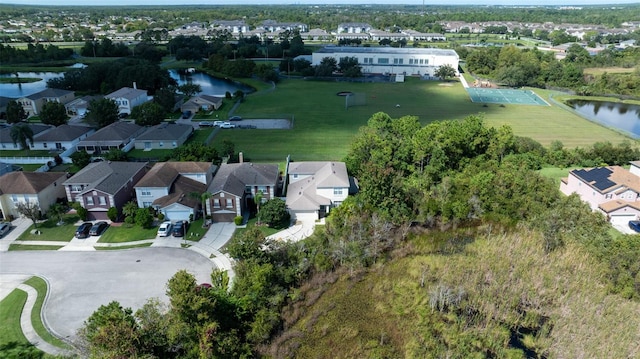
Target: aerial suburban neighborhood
x=319, y=180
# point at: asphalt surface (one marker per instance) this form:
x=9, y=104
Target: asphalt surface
x=80, y=282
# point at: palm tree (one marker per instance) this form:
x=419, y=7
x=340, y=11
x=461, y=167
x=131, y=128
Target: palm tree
x=21, y=133
x=57, y=210
x=258, y=199
x=205, y=197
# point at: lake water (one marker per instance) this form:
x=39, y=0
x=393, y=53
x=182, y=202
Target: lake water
x=624, y=117
x=210, y=85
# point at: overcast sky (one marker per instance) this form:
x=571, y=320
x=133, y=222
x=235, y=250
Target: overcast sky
x=308, y=2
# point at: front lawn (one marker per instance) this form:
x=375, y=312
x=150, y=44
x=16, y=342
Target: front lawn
x=267, y=231
x=10, y=311
x=127, y=233
x=50, y=231
x=28, y=247
x=195, y=231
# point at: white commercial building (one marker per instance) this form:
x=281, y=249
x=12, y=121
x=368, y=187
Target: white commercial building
x=407, y=61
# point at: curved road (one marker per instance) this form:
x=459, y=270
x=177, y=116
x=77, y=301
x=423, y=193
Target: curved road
x=80, y=282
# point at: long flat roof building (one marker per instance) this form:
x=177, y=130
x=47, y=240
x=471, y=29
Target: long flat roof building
x=409, y=61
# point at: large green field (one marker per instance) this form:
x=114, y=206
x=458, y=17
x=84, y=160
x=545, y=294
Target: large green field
x=323, y=128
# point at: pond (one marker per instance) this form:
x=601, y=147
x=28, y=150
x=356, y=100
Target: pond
x=26, y=89
x=621, y=116
x=210, y=85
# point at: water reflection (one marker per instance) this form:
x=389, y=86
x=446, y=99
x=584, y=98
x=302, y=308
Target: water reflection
x=622, y=116
x=210, y=85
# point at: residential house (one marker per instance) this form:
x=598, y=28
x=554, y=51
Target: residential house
x=6, y=142
x=275, y=26
x=32, y=104
x=7, y=167
x=61, y=138
x=202, y=102
x=118, y=135
x=127, y=98
x=174, y=188
x=43, y=188
x=235, y=185
x=354, y=28
x=315, y=188
x=105, y=184
x=163, y=136
x=80, y=106
x=235, y=27
x=613, y=191
x=316, y=35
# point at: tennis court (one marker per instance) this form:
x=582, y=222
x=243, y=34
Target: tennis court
x=505, y=96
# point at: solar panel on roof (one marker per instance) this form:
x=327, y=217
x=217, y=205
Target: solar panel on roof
x=597, y=177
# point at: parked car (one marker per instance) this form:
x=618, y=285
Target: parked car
x=205, y=124
x=179, y=229
x=218, y=123
x=635, y=225
x=186, y=114
x=235, y=118
x=5, y=227
x=165, y=229
x=98, y=228
x=83, y=230
x=227, y=125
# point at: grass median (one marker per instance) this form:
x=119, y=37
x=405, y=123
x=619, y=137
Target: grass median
x=36, y=314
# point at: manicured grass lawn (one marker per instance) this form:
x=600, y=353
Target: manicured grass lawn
x=123, y=247
x=25, y=153
x=27, y=247
x=10, y=311
x=610, y=70
x=195, y=231
x=30, y=167
x=127, y=233
x=199, y=136
x=555, y=173
x=267, y=231
x=51, y=231
x=36, y=319
x=323, y=128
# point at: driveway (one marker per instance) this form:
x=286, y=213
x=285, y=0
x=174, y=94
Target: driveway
x=82, y=281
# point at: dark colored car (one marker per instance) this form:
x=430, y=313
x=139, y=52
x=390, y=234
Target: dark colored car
x=179, y=229
x=635, y=225
x=235, y=118
x=83, y=230
x=98, y=228
x=186, y=114
x=5, y=227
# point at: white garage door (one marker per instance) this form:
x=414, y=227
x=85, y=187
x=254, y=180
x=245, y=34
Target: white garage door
x=177, y=215
x=622, y=220
x=305, y=216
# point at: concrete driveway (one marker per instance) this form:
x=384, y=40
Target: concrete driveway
x=82, y=281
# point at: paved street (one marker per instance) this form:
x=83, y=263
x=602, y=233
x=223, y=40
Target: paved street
x=82, y=281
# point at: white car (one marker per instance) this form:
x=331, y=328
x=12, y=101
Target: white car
x=217, y=123
x=165, y=229
x=227, y=125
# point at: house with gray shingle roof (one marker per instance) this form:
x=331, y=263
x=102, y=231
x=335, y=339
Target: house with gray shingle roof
x=61, y=138
x=168, y=187
x=315, y=188
x=43, y=188
x=163, y=136
x=235, y=185
x=101, y=185
x=202, y=102
x=6, y=142
x=127, y=98
x=118, y=135
x=32, y=104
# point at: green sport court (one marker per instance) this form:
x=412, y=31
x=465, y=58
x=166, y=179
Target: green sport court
x=505, y=96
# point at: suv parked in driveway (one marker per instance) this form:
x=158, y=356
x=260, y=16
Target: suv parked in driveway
x=180, y=228
x=98, y=228
x=83, y=230
x=5, y=227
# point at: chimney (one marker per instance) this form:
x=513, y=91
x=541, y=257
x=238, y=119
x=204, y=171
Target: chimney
x=240, y=157
x=135, y=86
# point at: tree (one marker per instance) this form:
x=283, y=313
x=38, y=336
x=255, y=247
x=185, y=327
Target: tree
x=148, y=114
x=274, y=213
x=112, y=214
x=445, y=72
x=56, y=210
x=15, y=112
x=204, y=197
x=326, y=67
x=111, y=332
x=190, y=89
x=80, y=159
x=129, y=211
x=54, y=113
x=144, y=218
x=22, y=134
x=250, y=244
x=102, y=112
x=30, y=210
x=116, y=154
x=350, y=67
x=166, y=97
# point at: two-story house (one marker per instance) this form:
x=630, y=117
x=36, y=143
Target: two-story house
x=42, y=188
x=101, y=185
x=235, y=185
x=613, y=191
x=316, y=187
x=127, y=98
x=175, y=188
x=32, y=104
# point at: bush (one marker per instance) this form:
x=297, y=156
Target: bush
x=238, y=220
x=83, y=213
x=112, y=213
x=160, y=216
